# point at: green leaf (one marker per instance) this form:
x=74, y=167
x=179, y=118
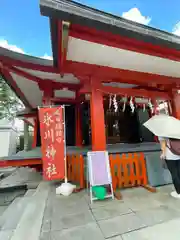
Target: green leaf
x=9, y=102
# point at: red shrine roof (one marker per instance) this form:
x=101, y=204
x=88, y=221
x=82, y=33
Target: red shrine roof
x=105, y=40
x=28, y=75
x=108, y=27
x=88, y=43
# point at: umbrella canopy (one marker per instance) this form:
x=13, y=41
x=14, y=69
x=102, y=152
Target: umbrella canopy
x=164, y=126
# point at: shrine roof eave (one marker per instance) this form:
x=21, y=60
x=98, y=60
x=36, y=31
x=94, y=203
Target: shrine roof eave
x=26, y=113
x=11, y=58
x=27, y=76
x=6, y=54
x=92, y=18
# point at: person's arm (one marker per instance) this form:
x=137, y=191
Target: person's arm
x=163, y=147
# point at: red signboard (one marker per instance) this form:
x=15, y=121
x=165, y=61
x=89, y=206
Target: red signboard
x=52, y=142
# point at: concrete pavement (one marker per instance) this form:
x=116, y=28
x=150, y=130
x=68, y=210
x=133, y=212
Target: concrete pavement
x=141, y=215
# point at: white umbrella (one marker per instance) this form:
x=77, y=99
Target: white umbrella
x=164, y=126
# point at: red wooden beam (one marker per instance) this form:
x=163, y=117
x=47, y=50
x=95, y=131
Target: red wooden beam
x=24, y=74
x=43, y=82
x=64, y=100
x=10, y=81
x=124, y=91
x=59, y=85
x=60, y=47
x=27, y=115
x=118, y=41
x=107, y=73
x=63, y=35
x=86, y=87
x=29, y=65
x=70, y=86
x=134, y=92
x=139, y=83
x=20, y=162
x=28, y=122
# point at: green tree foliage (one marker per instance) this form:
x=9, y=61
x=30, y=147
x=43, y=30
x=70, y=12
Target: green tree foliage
x=9, y=102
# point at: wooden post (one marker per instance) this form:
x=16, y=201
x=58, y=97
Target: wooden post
x=48, y=92
x=78, y=126
x=34, y=143
x=175, y=105
x=97, y=120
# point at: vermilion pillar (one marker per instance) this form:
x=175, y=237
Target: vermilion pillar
x=97, y=121
x=175, y=104
x=48, y=92
x=78, y=126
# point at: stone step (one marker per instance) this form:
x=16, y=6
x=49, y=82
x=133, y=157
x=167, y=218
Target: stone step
x=13, y=188
x=7, y=171
x=6, y=235
x=11, y=216
x=21, y=176
x=29, y=226
x=30, y=193
x=2, y=209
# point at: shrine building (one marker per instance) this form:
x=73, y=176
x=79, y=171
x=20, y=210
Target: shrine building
x=111, y=74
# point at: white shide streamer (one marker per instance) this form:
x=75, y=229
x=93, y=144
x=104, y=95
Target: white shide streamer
x=131, y=105
x=115, y=103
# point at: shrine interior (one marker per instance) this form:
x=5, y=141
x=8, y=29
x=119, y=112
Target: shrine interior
x=122, y=126
x=125, y=125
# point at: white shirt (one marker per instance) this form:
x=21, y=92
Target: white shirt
x=168, y=154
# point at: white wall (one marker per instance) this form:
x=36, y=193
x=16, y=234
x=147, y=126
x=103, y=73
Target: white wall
x=4, y=142
x=12, y=142
x=8, y=139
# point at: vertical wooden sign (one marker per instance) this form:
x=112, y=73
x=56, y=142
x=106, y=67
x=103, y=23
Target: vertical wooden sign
x=52, y=142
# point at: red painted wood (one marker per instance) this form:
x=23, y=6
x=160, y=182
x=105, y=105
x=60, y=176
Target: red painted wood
x=8, y=77
x=48, y=94
x=62, y=48
x=28, y=122
x=34, y=143
x=29, y=115
x=108, y=74
x=52, y=142
x=24, y=74
x=176, y=105
x=118, y=41
x=43, y=82
x=64, y=100
x=58, y=85
x=20, y=162
x=97, y=120
x=29, y=65
x=129, y=92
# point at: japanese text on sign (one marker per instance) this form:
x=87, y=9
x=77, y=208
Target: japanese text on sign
x=52, y=137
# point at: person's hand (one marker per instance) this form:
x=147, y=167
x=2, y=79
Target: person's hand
x=162, y=157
